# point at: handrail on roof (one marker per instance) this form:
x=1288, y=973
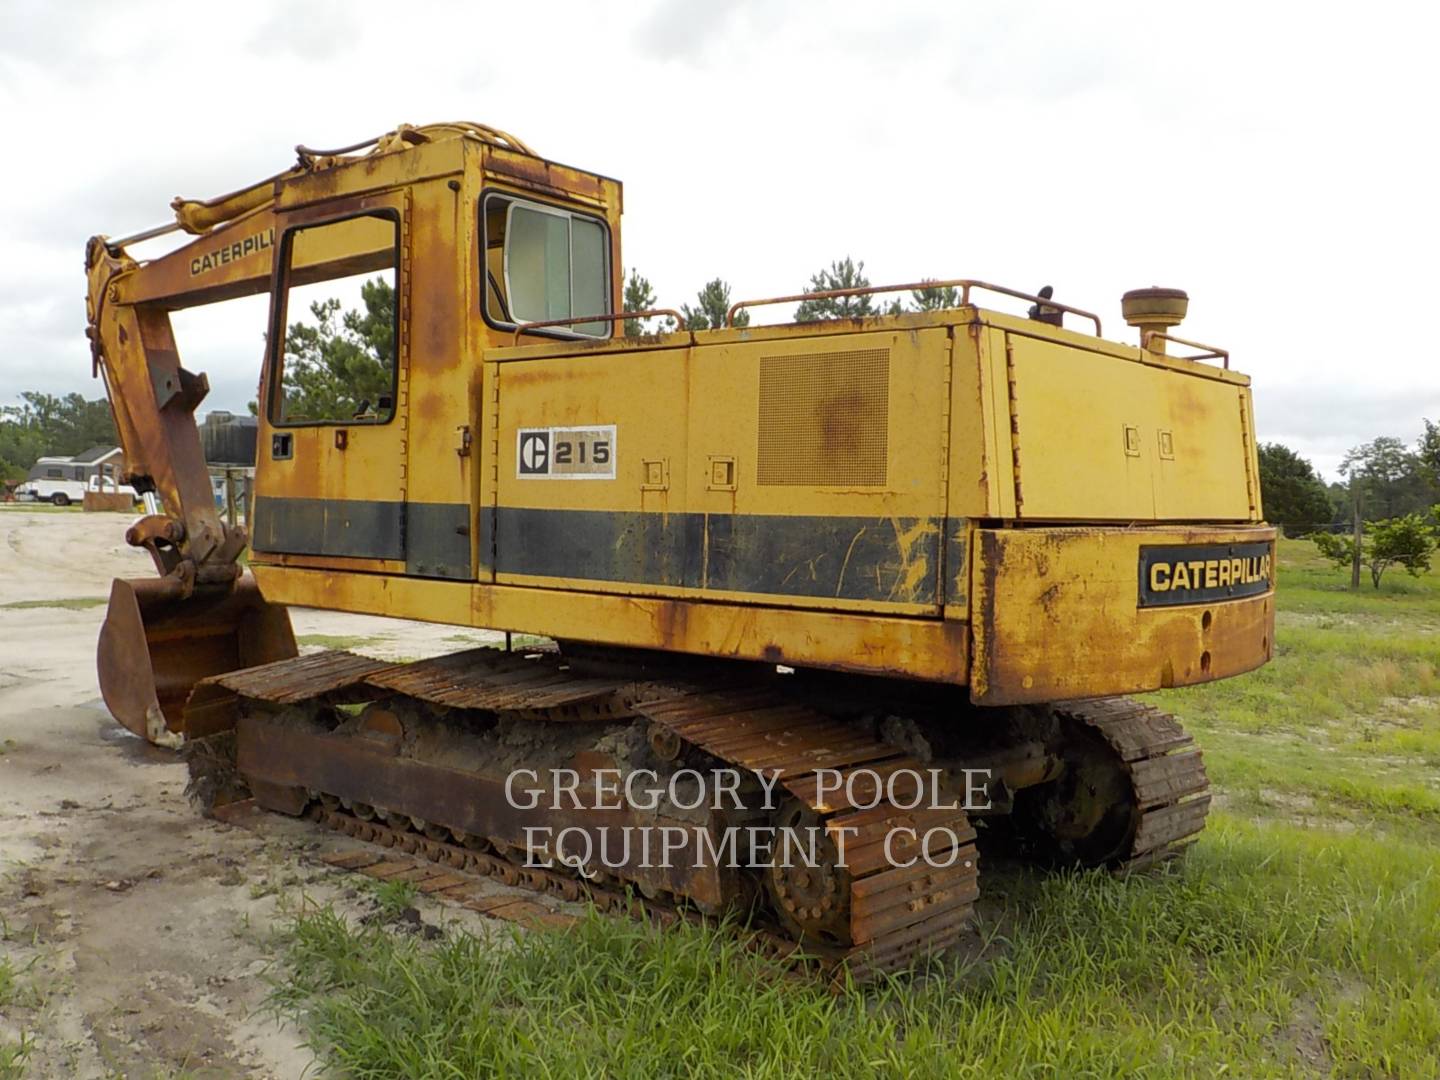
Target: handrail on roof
x=964, y=284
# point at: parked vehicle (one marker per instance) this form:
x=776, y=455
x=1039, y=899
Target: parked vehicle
x=63, y=480
x=51, y=490
x=109, y=485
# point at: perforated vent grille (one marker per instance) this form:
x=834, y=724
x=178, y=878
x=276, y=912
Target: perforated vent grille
x=824, y=418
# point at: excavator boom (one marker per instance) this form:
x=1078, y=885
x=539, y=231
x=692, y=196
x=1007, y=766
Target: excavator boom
x=202, y=615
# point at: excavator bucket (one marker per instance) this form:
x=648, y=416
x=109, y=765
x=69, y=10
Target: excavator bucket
x=156, y=645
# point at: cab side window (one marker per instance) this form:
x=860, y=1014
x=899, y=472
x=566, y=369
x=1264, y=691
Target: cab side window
x=542, y=263
x=337, y=357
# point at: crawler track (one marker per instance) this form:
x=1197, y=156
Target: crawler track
x=453, y=873
x=878, y=898
x=1169, y=789
x=1133, y=791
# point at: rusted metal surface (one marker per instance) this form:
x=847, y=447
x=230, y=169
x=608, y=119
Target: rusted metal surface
x=482, y=679
x=963, y=284
x=153, y=399
x=407, y=134
x=301, y=678
x=760, y=730
x=1168, y=785
x=1033, y=587
x=889, y=898
x=859, y=906
x=198, y=216
x=360, y=770
x=160, y=535
x=415, y=858
x=156, y=644
x=452, y=873
x=495, y=681
x=880, y=914
x=1207, y=352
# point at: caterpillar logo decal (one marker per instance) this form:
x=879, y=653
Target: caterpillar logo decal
x=565, y=453
x=1203, y=573
x=260, y=241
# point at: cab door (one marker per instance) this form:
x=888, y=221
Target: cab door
x=330, y=461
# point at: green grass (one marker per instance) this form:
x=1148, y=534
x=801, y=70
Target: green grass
x=9, y=981
x=1300, y=937
x=12, y=1058
x=1343, y=726
x=76, y=603
x=12, y=1053
x=517, y=641
x=394, y=897
x=1264, y=945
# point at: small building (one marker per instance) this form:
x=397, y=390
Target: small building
x=103, y=461
x=228, y=438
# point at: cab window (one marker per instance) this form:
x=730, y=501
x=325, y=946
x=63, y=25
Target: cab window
x=337, y=356
x=543, y=263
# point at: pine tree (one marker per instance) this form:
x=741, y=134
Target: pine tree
x=712, y=305
x=841, y=274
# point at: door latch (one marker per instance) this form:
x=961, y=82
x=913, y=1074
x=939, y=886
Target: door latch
x=462, y=440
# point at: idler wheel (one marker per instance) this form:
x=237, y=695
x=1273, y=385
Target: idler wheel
x=1085, y=817
x=809, y=890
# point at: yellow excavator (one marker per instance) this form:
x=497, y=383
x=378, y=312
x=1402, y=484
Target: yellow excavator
x=828, y=572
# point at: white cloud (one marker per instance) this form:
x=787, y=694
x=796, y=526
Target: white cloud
x=685, y=29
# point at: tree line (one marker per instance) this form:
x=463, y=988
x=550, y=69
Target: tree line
x=1384, y=512
x=712, y=302
x=1385, y=475
x=43, y=424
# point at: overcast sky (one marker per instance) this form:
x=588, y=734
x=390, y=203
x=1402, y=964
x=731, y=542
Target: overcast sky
x=1275, y=160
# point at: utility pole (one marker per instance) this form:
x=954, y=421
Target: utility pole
x=230, y=496
x=1359, y=532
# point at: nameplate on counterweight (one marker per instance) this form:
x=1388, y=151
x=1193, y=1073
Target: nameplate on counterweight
x=1172, y=574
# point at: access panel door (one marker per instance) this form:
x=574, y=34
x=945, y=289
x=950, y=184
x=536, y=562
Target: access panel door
x=817, y=469
x=591, y=475
x=330, y=468
x=1099, y=437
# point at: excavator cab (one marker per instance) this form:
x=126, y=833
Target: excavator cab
x=337, y=436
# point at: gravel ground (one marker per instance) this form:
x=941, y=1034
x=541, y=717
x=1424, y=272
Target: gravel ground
x=136, y=928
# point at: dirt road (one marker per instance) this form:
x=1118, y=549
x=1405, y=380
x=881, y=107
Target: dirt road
x=135, y=928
